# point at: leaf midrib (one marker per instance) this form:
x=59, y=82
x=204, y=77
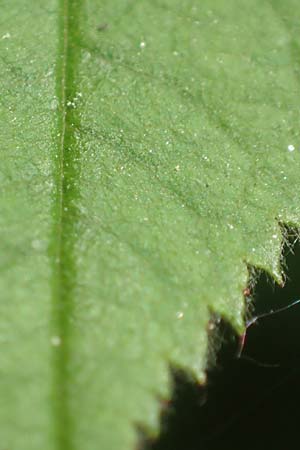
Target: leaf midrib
x=65, y=213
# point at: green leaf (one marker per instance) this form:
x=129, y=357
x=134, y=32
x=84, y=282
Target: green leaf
x=144, y=164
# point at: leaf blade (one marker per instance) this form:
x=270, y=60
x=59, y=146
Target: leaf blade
x=182, y=157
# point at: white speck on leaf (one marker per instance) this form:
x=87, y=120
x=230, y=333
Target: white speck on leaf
x=36, y=244
x=291, y=148
x=54, y=104
x=55, y=341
